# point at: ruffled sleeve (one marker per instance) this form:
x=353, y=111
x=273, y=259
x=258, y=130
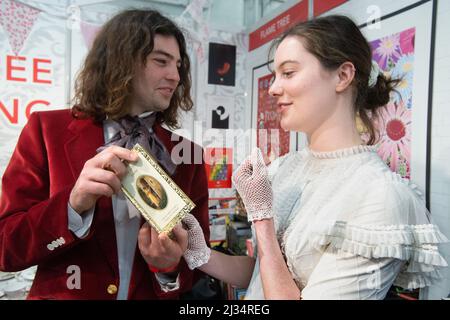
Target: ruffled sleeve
x=389, y=221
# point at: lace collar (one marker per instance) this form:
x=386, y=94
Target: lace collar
x=341, y=153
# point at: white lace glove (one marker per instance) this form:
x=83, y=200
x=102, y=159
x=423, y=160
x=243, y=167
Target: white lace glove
x=197, y=253
x=252, y=182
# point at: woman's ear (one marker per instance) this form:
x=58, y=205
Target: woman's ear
x=346, y=74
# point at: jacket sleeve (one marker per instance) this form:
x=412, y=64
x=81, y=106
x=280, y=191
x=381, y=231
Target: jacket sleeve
x=33, y=223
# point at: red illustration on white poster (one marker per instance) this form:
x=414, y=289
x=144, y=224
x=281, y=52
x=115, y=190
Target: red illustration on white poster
x=271, y=139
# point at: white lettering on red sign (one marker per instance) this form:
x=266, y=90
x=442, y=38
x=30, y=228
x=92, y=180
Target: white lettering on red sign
x=283, y=21
x=270, y=29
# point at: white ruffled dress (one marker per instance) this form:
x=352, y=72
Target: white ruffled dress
x=349, y=227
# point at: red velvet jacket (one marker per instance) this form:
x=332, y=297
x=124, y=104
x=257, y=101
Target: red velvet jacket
x=48, y=159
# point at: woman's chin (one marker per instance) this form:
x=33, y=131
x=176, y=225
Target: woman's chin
x=285, y=125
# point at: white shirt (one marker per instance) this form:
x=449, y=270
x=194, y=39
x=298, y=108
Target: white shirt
x=349, y=227
x=127, y=222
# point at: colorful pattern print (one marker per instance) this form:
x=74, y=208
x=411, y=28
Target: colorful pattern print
x=17, y=20
x=218, y=164
x=219, y=170
x=395, y=57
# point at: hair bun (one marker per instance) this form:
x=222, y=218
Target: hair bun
x=379, y=94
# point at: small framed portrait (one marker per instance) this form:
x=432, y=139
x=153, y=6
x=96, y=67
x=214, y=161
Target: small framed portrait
x=155, y=195
x=152, y=192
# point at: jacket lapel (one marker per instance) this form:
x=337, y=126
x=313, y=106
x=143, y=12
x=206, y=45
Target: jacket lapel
x=85, y=137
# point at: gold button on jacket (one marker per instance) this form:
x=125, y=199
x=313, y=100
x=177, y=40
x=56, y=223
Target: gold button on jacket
x=112, y=289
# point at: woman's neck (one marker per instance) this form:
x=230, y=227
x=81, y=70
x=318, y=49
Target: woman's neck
x=331, y=142
x=338, y=132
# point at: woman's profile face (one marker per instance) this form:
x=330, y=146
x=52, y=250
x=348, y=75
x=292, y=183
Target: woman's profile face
x=304, y=90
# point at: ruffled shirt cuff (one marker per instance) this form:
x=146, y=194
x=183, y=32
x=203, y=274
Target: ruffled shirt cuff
x=168, y=282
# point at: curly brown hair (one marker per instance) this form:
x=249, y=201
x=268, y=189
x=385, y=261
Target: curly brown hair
x=104, y=84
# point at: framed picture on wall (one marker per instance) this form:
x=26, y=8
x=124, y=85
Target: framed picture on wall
x=220, y=112
x=402, y=46
x=222, y=64
x=219, y=167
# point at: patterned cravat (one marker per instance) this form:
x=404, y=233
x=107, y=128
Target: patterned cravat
x=132, y=130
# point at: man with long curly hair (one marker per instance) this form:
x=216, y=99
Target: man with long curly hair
x=62, y=207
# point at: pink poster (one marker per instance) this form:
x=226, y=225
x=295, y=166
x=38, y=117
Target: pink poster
x=395, y=56
x=271, y=139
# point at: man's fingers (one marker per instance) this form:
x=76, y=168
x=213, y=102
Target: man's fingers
x=122, y=153
x=166, y=243
x=155, y=236
x=179, y=242
x=179, y=231
x=181, y=236
x=95, y=188
x=112, y=162
x=144, y=236
x=105, y=177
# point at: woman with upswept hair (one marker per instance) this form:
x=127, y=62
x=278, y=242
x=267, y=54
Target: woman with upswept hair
x=331, y=221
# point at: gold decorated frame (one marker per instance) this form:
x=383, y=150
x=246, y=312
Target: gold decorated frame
x=177, y=197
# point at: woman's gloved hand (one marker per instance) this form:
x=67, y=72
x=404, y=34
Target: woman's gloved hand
x=253, y=185
x=197, y=253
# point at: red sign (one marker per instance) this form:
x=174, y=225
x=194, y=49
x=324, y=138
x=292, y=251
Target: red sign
x=24, y=70
x=278, y=25
x=321, y=6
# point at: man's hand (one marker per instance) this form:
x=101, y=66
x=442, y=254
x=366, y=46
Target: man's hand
x=100, y=176
x=160, y=251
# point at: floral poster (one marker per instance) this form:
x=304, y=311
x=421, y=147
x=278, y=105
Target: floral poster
x=395, y=57
x=402, y=45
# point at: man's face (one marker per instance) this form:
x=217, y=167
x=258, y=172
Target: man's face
x=156, y=81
